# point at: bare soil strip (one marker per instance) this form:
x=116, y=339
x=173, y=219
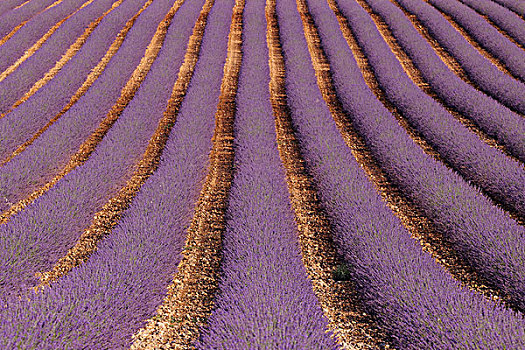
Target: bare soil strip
x=106, y=218
x=339, y=300
x=17, y=28
x=126, y=95
x=415, y=75
x=498, y=28
x=420, y=227
x=31, y=51
x=495, y=61
x=90, y=80
x=71, y=51
x=189, y=301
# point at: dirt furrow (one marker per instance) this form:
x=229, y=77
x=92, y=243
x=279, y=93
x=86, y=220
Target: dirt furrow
x=189, y=302
x=90, y=80
x=127, y=94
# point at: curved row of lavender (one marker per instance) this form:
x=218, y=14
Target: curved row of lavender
x=33, y=30
x=13, y=17
x=501, y=16
x=20, y=125
x=33, y=69
x=516, y=6
x=411, y=297
x=265, y=298
x=43, y=159
x=464, y=151
x=101, y=303
x=505, y=89
x=494, y=119
x=486, y=35
x=68, y=208
x=482, y=234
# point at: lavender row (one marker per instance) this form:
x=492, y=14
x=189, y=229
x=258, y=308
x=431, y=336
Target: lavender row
x=482, y=234
x=504, y=180
x=502, y=17
x=21, y=124
x=482, y=72
x=68, y=208
x=11, y=19
x=486, y=35
x=514, y=5
x=51, y=151
x=101, y=303
x=33, y=30
x=33, y=69
x=506, y=127
x=412, y=298
x=265, y=298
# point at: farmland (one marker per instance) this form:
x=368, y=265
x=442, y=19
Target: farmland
x=262, y=174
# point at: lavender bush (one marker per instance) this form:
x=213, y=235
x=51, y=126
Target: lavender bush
x=481, y=233
x=9, y=19
x=34, y=30
x=501, y=16
x=494, y=119
x=463, y=150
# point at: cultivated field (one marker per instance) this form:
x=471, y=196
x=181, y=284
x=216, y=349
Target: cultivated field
x=262, y=174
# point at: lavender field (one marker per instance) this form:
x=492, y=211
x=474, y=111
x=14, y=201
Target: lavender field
x=262, y=174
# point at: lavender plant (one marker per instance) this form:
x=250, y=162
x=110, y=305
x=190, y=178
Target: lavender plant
x=494, y=119
x=501, y=16
x=504, y=180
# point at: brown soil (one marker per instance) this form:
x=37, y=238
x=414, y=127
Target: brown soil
x=127, y=94
x=186, y=308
